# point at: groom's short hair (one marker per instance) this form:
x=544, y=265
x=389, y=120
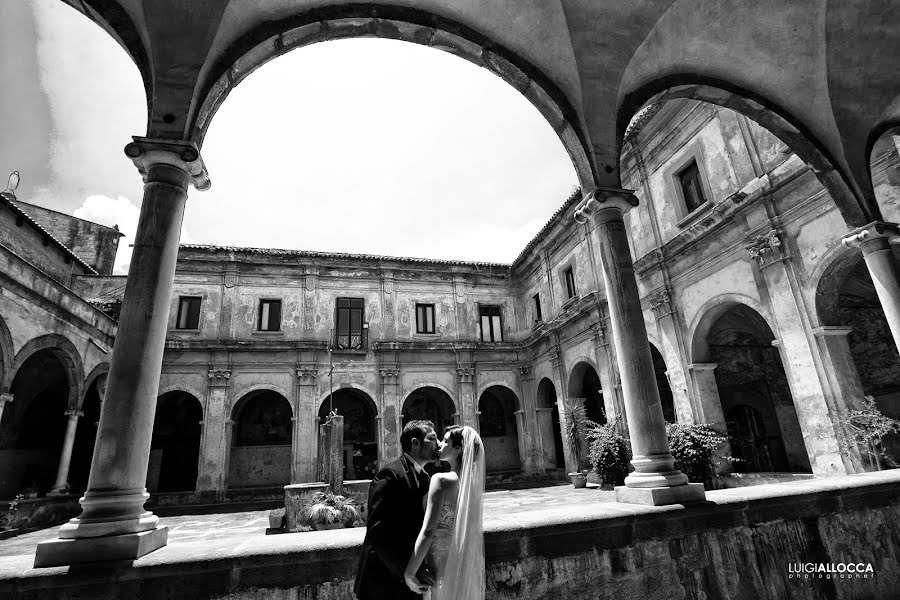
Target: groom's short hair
x=414, y=430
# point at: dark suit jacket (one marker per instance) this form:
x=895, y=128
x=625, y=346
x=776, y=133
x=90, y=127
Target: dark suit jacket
x=396, y=511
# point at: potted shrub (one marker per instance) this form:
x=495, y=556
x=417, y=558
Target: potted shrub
x=609, y=454
x=694, y=449
x=328, y=511
x=577, y=427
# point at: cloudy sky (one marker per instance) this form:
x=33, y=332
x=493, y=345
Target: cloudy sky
x=369, y=146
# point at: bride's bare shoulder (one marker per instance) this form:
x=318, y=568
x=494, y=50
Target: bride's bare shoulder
x=445, y=480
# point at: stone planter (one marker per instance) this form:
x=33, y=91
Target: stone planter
x=295, y=496
x=579, y=480
x=324, y=526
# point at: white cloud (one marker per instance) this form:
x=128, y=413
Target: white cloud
x=121, y=212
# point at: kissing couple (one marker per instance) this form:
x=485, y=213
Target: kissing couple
x=424, y=534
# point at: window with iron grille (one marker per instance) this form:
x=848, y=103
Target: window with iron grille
x=424, y=318
x=188, y=313
x=349, y=333
x=537, y=308
x=491, y=324
x=570, y=282
x=691, y=186
x=269, y=315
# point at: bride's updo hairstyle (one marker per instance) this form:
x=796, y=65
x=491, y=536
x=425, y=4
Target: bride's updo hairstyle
x=456, y=438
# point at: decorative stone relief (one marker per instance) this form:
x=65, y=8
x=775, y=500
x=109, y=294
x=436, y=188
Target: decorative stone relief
x=466, y=373
x=524, y=372
x=598, y=334
x=230, y=279
x=767, y=248
x=554, y=355
x=389, y=375
x=307, y=373
x=218, y=377
x=661, y=304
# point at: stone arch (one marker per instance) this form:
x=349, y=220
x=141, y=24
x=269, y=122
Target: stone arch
x=499, y=428
x=261, y=438
x=711, y=310
x=272, y=39
x=96, y=376
x=86, y=430
x=584, y=382
x=361, y=435
x=753, y=391
x=67, y=354
x=175, y=445
x=497, y=383
x=549, y=425
x=666, y=398
x=854, y=199
x=242, y=393
x=424, y=403
x=827, y=277
x=6, y=356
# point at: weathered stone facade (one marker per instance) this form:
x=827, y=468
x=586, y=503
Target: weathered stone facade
x=759, y=318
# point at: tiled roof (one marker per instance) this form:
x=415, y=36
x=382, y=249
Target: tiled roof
x=9, y=200
x=573, y=199
x=641, y=118
x=341, y=255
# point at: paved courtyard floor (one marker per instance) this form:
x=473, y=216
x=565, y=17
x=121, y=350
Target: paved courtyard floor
x=236, y=529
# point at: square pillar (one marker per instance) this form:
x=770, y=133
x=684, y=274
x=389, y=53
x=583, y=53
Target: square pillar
x=211, y=471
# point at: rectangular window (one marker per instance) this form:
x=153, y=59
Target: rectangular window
x=349, y=330
x=491, y=324
x=691, y=186
x=537, y=308
x=269, y=315
x=188, y=313
x=424, y=318
x=570, y=282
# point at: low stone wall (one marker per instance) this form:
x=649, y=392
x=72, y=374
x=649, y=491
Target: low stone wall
x=743, y=543
x=40, y=512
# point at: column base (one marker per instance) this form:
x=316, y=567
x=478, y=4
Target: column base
x=129, y=546
x=689, y=493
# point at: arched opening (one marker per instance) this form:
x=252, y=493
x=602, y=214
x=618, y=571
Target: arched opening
x=549, y=426
x=497, y=408
x=175, y=445
x=585, y=383
x=34, y=425
x=86, y=435
x=261, y=441
x=662, y=384
x=432, y=404
x=753, y=389
x=846, y=297
x=360, y=432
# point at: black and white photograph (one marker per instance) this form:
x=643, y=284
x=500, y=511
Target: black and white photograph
x=450, y=299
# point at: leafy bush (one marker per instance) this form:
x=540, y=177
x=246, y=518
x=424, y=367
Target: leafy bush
x=577, y=426
x=610, y=452
x=325, y=508
x=865, y=429
x=694, y=447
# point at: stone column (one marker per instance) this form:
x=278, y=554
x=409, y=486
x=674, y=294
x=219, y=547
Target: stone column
x=529, y=435
x=113, y=524
x=306, y=427
x=211, y=470
x=468, y=398
x=561, y=396
x=5, y=398
x=707, y=406
x=875, y=242
x=61, y=487
x=388, y=428
x=672, y=348
x=655, y=480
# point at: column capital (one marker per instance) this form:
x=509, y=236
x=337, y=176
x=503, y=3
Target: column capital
x=875, y=236
x=5, y=397
x=605, y=204
x=184, y=155
x=389, y=374
x=598, y=334
x=466, y=373
x=661, y=304
x=524, y=371
x=218, y=376
x=554, y=353
x=767, y=248
x=307, y=373
x=74, y=414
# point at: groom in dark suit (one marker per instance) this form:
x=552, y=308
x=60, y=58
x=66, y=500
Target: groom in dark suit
x=396, y=512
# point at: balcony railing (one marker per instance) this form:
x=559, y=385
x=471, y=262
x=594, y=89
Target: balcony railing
x=352, y=341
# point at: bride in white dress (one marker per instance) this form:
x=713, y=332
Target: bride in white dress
x=452, y=530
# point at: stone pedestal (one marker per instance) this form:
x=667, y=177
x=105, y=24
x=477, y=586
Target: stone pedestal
x=62, y=472
x=113, y=524
x=331, y=435
x=652, y=461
